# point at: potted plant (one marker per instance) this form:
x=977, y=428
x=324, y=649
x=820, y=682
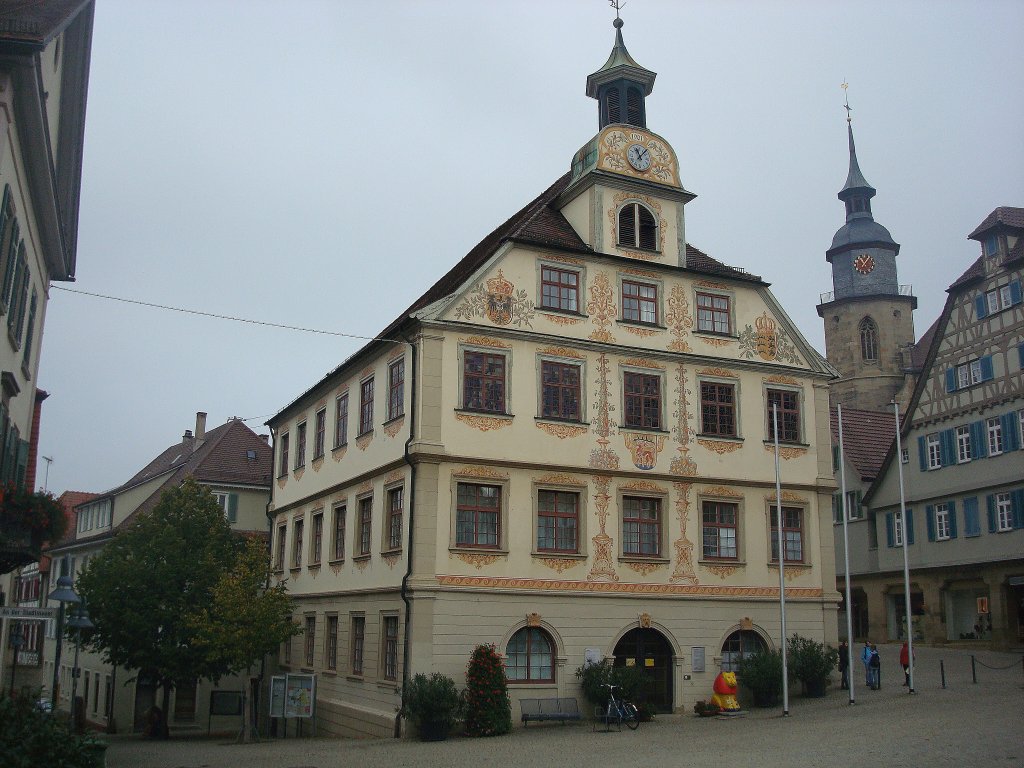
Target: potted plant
x=811, y=663
x=433, y=704
x=27, y=519
x=706, y=708
x=761, y=675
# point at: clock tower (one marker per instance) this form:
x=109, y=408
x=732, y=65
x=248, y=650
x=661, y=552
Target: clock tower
x=868, y=315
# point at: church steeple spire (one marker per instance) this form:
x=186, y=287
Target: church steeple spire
x=621, y=86
x=856, y=193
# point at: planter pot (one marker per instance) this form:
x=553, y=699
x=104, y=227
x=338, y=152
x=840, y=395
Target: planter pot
x=433, y=730
x=706, y=713
x=97, y=752
x=766, y=699
x=815, y=689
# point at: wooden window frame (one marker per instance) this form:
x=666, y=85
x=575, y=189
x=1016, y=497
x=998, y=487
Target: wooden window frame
x=715, y=506
x=364, y=510
x=555, y=514
x=529, y=634
x=560, y=391
x=642, y=525
x=300, y=445
x=341, y=420
x=366, y=406
x=790, y=416
x=389, y=647
x=395, y=518
x=709, y=316
x=357, y=651
x=321, y=433
x=933, y=448
x=310, y=641
x=331, y=641
x=713, y=409
x=636, y=400
x=338, y=534
x=477, y=511
x=635, y=304
x=316, y=540
x=279, y=554
x=787, y=529
x=479, y=400
x=396, y=388
x=298, y=526
x=557, y=293
x=284, y=469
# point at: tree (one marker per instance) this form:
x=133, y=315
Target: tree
x=147, y=585
x=244, y=620
x=488, y=709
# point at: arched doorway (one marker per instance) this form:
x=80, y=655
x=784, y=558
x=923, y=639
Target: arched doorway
x=650, y=651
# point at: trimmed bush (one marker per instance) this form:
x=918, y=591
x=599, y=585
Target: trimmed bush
x=488, y=709
x=30, y=738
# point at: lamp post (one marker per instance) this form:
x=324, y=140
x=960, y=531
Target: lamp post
x=79, y=620
x=17, y=641
x=62, y=594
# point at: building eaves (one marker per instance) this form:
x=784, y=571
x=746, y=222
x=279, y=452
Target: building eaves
x=1005, y=215
x=36, y=23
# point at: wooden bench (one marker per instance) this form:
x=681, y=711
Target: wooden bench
x=561, y=710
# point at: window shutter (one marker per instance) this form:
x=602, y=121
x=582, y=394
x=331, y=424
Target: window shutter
x=22, y=463
x=952, y=519
x=1015, y=292
x=910, y=526
x=986, y=368
x=627, y=226
x=972, y=526
x=634, y=106
x=859, y=505
x=950, y=380
x=1017, y=507
x=836, y=508
x=979, y=445
x=612, y=103
x=947, y=447
x=648, y=229
x=232, y=507
x=1011, y=435
x=990, y=501
x=922, y=453
x=835, y=458
x=1020, y=349
x=981, y=306
x=929, y=513
x=890, y=524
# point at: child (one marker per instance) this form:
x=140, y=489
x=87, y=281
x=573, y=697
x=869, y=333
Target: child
x=865, y=659
x=875, y=668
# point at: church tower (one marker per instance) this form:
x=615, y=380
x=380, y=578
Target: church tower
x=868, y=315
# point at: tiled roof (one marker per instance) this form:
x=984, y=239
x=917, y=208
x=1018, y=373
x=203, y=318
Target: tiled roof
x=919, y=352
x=867, y=436
x=36, y=22
x=1005, y=215
x=69, y=500
x=973, y=272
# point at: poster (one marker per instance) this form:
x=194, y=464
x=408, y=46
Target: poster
x=277, y=696
x=298, y=695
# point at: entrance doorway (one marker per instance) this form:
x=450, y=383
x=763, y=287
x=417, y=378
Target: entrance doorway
x=145, y=700
x=649, y=650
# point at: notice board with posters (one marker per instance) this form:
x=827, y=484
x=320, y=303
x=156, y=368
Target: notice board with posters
x=277, y=685
x=299, y=695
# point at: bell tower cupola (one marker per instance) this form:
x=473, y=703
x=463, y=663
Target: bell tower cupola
x=621, y=87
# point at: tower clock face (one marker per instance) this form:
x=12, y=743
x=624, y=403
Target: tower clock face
x=864, y=263
x=639, y=157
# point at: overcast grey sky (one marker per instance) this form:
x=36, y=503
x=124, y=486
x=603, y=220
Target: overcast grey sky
x=320, y=164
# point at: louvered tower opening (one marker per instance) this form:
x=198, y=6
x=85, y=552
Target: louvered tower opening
x=612, y=112
x=635, y=107
x=637, y=227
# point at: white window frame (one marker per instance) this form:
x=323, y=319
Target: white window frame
x=934, y=451
x=1004, y=512
x=994, y=431
x=1004, y=296
x=897, y=528
x=942, y=531
x=963, y=444
x=992, y=300
x=853, y=509
x=904, y=455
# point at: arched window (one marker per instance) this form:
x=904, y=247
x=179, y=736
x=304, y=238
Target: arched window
x=637, y=227
x=530, y=656
x=739, y=645
x=868, y=339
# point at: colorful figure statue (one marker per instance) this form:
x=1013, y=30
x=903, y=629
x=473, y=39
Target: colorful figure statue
x=725, y=692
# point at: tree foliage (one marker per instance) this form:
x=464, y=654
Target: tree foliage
x=488, y=709
x=30, y=738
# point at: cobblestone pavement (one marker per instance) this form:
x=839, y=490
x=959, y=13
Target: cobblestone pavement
x=963, y=724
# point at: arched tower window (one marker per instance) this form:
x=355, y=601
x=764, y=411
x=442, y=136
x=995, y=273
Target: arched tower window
x=637, y=227
x=530, y=656
x=868, y=339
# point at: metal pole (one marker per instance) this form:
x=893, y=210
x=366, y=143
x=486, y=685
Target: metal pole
x=846, y=553
x=906, y=557
x=54, y=698
x=782, y=566
x=74, y=682
x=942, y=673
x=974, y=671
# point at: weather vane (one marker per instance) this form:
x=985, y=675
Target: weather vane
x=845, y=86
x=618, y=5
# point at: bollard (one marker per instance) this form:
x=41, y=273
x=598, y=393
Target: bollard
x=942, y=672
x=974, y=671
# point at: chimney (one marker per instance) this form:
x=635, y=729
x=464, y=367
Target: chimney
x=265, y=439
x=200, y=425
x=187, y=437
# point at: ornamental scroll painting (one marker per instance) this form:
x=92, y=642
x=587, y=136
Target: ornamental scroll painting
x=498, y=301
x=768, y=341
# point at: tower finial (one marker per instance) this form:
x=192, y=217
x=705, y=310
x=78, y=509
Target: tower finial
x=618, y=5
x=845, y=86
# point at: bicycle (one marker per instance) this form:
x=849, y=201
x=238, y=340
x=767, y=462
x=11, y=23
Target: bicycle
x=620, y=711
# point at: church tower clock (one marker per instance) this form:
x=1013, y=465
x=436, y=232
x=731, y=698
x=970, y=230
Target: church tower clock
x=868, y=315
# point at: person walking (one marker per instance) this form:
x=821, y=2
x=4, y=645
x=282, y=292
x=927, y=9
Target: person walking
x=865, y=659
x=905, y=663
x=875, y=668
x=844, y=665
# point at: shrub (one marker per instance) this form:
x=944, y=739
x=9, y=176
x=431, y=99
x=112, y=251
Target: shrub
x=30, y=738
x=810, y=662
x=433, y=699
x=706, y=708
x=761, y=674
x=488, y=709
x=593, y=678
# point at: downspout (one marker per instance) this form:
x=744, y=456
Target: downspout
x=412, y=512
x=255, y=704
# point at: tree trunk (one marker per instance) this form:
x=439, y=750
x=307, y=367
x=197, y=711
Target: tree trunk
x=166, y=685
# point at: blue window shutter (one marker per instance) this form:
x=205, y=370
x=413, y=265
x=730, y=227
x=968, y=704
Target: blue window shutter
x=979, y=444
x=1020, y=349
x=951, y=380
x=890, y=537
x=947, y=447
x=972, y=526
x=990, y=501
x=1017, y=507
x=1015, y=293
x=232, y=507
x=986, y=368
x=922, y=453
x=1011, y=436
x=981, y=306
x=952, y=519
x=910, y=526
x=929, y=513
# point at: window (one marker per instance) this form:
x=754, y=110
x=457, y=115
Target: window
x=300, y=445
x=934, y=451
x=318, y=539
x=941, y=522
x=718, y=408
x=297, y=543
x=483, y=382
x=30, y=333
x=868, y=339
x=339, y=532
x=19, y=298
x=963, y=444
x=557, y=521
x=639, y=302
x=904, y=455
x=227, y=501
x=310, y=639
x=389, y=653
x=897, y=529
x=365, y=521
x=637, y=227
x=394, y=526
x=284, y=455
x=853, y=505
x=788, y=404
x=331, y=654
x=642, y=396
x=991, y=245
x=559, y=289
x=282, y=532
x=396, y=389
x=366, y=406
x=994, y=429
x=792, y=534
x=185, y=701
x=969, y=373
x=641, y=526
x=719, y=529
x=477, y=516
x=358, y=638
x=321, y=433
x=713, y=313
x=560, y=391
x=529, y=656
x=341, y=420
x=1004, y=512
x=739, y=645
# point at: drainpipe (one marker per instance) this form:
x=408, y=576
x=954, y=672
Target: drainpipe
x=270, y=553
x=412, y=512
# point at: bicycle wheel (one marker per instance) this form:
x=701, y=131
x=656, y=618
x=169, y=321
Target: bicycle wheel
x=631, y=716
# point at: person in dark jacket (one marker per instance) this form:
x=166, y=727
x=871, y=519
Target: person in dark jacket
x=844, y=665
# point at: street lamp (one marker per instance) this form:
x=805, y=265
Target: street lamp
x=17, y=641
x=79, y=620
x=63, y=594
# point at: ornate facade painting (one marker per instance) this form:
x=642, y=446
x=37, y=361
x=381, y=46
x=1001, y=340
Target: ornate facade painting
x=601, y=307
x=604, y=563
x=684, y=572
x=498, y=301
x=644, y=449
x=603, y=457
x=679, y=319
x=683, y=464
x=765, y=339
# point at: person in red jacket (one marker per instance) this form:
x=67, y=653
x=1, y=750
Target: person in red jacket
x=905, y=663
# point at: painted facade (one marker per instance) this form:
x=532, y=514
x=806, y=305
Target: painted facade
x=562, y=448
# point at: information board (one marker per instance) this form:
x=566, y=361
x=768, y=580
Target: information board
x=225, y=703
x=300, y=692
x=277, y=686
x=697, y=658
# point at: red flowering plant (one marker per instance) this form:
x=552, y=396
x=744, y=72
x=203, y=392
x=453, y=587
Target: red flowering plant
x=488, y=709
x=27, y=520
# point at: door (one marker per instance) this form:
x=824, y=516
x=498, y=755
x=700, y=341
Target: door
x=650, y=651
x=145, y=699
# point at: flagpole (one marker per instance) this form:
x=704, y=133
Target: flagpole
x=844, y=511
x=906, y=559
x=782, y=558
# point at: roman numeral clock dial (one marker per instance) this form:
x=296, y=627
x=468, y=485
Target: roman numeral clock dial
x=639, y=157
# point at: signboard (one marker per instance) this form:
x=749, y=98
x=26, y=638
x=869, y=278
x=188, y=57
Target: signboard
x=225, y=703
x=697, y=658
x=13, y=612
x=592, y=656
x=277, y=696
x=299, y=694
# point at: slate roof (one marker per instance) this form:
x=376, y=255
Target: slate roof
x=1005, y=215
x=36, y=23
x=867, y=436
